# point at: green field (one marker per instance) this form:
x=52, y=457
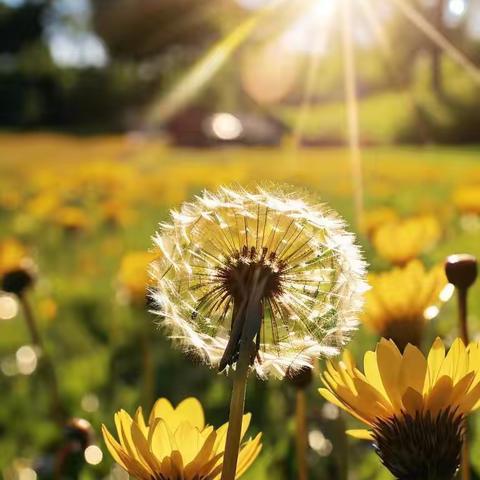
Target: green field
x=79, y=205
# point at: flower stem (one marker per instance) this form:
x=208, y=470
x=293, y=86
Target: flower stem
x=251, y=325
x=237, y=405
x=148, y=365
x=301, y=433
x=51, y=378
x=462, y=315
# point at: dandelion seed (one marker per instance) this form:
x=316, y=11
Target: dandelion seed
x=294, y=257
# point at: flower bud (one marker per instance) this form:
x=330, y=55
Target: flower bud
x=461, y=270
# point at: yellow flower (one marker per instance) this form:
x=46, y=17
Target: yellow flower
x=116, y=213
x=176, y=444
x=17, y=270
x=134, y=275
x=404, y=240
x=72, y=219
x=402, y=300
x=374, y=219
x=415, y=406
x=467, y=199
x=12, y=255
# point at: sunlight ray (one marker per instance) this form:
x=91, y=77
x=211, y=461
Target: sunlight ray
x=376, y=26
x=312, y=73
x=351, y=97
x=440, y=40
x=206, y=68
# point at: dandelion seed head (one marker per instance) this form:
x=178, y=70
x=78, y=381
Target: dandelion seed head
x=309, y=271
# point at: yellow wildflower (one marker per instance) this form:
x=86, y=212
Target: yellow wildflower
x=72, y=219
x=404, y=240
x=374, y=219
x=134, y=275
x=415, y=406
x=176, y=444
x=467, y=199
x=402, y=300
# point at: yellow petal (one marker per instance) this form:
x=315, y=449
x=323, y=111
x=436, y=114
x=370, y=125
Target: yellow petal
x=140, y=421
x=222, y=433
x=361, y=434
x=412, y=401
x=131, y=465
x=248, y=454
x=372, y=373
x=330, y=397
x=161, y=439
x=413, y=370
x=389, y=361
x=114, y=447
x=142, y=447
x=187, y=438
x=439, y=396
x=435, y=360
x=455, y=362
x=191, y=410
x=204, y=461
x=161, y=409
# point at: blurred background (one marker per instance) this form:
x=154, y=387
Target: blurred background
x=114, y=111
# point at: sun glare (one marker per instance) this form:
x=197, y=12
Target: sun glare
x=314, y=22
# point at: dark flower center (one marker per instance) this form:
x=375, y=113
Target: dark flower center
x=248, y=267
x=421, y=447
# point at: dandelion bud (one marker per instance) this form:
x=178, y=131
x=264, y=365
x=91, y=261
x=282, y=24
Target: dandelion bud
x=79, y=430
x=17, y=270
x=18, y=281
x=461, y=270
x=301, y=378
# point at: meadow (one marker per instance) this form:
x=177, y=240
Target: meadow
x=84, y=210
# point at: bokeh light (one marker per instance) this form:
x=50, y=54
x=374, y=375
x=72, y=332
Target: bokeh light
x=319, y=443
x=93, y=455
x=90, y=402
x=8, y=306
x=226, y=126
x=26, y=473
x=26, y=360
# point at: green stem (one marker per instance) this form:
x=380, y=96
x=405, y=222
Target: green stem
x=148, y=364
x=49, y=370
x=462, y=315
x=237, y=405
x=301, y=433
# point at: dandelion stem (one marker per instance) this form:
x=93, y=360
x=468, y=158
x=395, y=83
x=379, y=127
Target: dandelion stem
x=301, y=433
x=49, y=369
x=237, y=405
